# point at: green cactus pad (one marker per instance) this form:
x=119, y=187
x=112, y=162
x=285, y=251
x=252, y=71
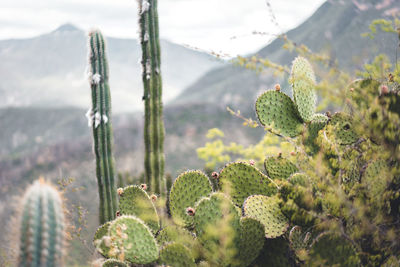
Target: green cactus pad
x=277, y=111
x=114, y=263
x=317, y=123
x=132, y=240
x=177, y=255
x=135, y=201
x=343, y=129
x=251, y=240
x=276, y=253
x=267, y=211
x=98, y=240
x=332, y=250
x=187, y=189
x=303, y=82
x=279, y=168
x=299, y=179
x=299, y=242
x=242, y=180
x=374, y=178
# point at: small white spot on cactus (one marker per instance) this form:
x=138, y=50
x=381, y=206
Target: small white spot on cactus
x=89, y=116
x=96, y=78
x=97, y=119
x=145, y=6
x=105, y=118
x=107, y=241
x=148, y=76
x=157, y=70
x=146, y=37
x=148, y=67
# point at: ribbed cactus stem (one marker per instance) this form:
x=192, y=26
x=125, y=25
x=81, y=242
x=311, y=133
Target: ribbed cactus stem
x=152, y=83
x=41, y=239
x=100, y=120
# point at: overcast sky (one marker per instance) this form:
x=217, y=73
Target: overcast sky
x=211, y=25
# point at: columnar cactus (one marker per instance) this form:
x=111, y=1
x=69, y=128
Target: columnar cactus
x=99, y=117
x=152, y=84
x=41, y=237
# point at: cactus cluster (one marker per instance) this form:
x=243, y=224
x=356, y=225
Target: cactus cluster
x=42, y=227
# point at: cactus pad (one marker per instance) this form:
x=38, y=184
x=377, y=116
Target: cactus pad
x=279, y=168
x=251, y=240
x=317, y=123
x=303, y=83
x=276, y=110
x=132, y=240
x=242, y=180
x=114, y=263
x=179, y=235
x=374, y=178
x=98, y=240
x=343, y=129
x=299, y=179
x=134, y=201
x=299, y=242
x=332, y=250
x=267, y=211
x=187, y=189
x=177, y=255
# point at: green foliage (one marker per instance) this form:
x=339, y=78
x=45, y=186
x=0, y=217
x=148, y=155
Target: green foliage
x=133, y=200
x=241, y=180
x=42, y=227
x=187, y=189
x=114, y=263
x=99, y=117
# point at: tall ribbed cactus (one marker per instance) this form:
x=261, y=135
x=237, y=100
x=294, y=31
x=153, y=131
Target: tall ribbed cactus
x=41, y=238
x=99, y=117
x=152, y=83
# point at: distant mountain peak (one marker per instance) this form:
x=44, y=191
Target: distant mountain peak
x=68, y=27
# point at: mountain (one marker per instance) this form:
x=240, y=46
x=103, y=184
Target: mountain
x=48, y=70
x=335, y=28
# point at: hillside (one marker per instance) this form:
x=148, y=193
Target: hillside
x=335, y=28
x=48, y=70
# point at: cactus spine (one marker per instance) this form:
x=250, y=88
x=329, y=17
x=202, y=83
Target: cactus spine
x=41, y=239
x=152, y=84
x=100, y=120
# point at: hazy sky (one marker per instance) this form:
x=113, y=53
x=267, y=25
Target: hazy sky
x=206, y=24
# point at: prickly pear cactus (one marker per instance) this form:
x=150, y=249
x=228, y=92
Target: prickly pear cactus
x=187, y=189
x=317, y=123
x=303, y=82
x=133, y=200
x=177, y=255
x=279, y=168
x=131, y=240
x=100, y=237
x=375, y=186
x=267, y=211
x=277, y=111
x=173, y=233
x=241, y=180
x=41, y=236
x=299, y=179
x=299, y=242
